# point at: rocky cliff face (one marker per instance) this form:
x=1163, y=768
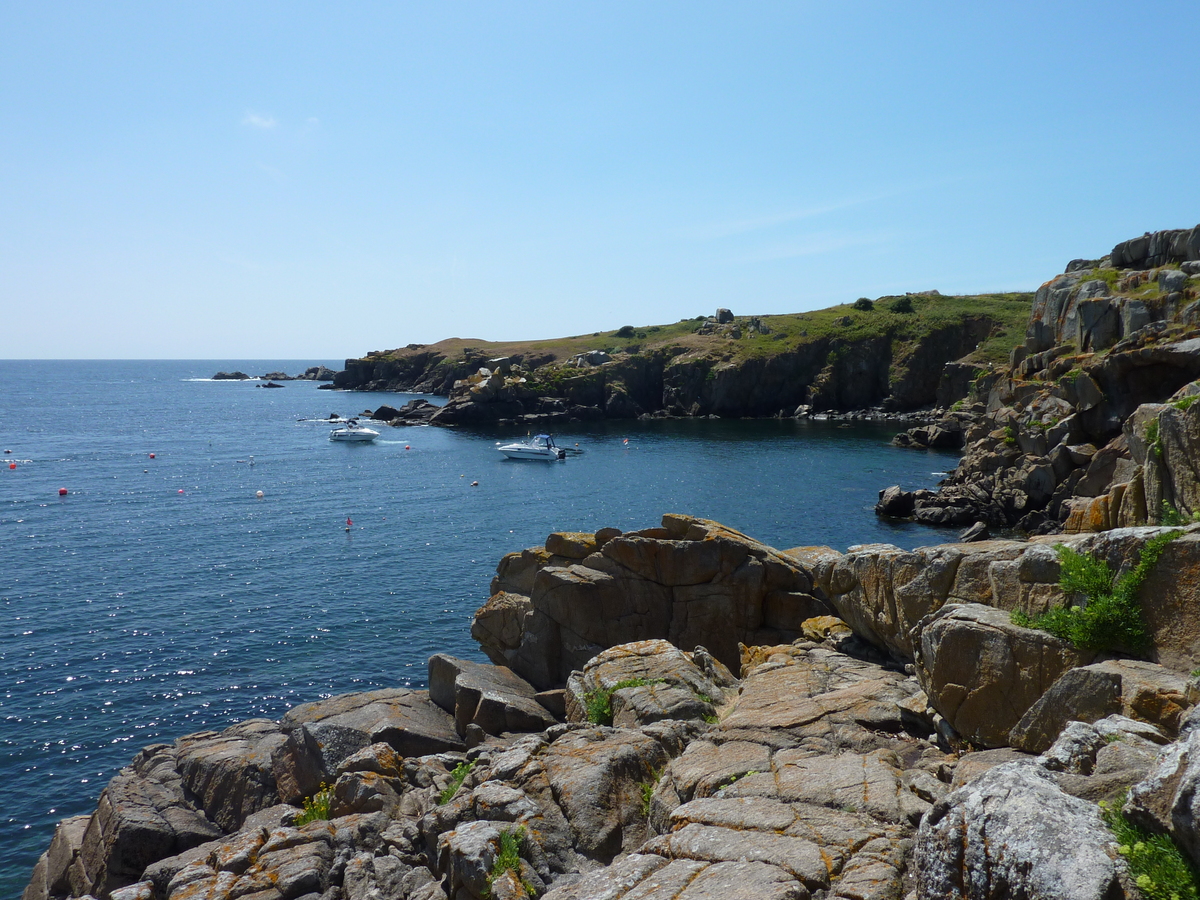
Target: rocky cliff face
x=738, y=367
x=1072, y=434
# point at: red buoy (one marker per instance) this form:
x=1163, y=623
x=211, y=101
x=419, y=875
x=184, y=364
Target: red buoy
x=62, y=492
x=180, y=491
x=152, y=456
x=12, y=465
x=406, y=447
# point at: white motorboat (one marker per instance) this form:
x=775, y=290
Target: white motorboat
x=540, y=446
x=354, y=432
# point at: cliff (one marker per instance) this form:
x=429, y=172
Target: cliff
x=891, y=353
x=1086, y=427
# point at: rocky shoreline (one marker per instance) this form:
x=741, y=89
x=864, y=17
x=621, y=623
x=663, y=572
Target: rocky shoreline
x=863, y=725
x=682, y=712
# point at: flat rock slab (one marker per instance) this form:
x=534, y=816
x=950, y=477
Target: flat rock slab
x=405, y=719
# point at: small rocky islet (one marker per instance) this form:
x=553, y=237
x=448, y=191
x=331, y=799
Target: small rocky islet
x=684, y=712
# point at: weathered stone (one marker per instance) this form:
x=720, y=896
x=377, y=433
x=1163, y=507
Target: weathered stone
x=982, y=672
x=690, y=582
x=595, y=775
x=491, y=697
x=1169, y=798
x=674, y=686
x=895, y=502
x=882, y=591
x=142, y=816
x=800, y=858
x=571, y=544
x=994, y=839
x=1139, y=690
x=405, y=719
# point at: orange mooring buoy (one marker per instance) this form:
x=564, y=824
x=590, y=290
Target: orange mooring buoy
x=62, y=492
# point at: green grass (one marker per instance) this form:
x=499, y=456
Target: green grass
x=1171, y=517
x=598, y=703
x=316, y=807
x=1153, y=438
x=647, y=790
x=508, y=859
x=1157, y=866
x=457, y=777
x=1183, y=404
x=1111, y=277
x=1008, y=313
x=1112, y=617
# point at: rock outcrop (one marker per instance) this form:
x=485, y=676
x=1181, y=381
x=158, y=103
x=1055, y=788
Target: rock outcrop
x=724, y=366
x=844, y=762
x=691, y=582
x=1058, y=438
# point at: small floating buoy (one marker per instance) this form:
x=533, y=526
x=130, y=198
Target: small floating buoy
x=62, y=492
x=152, y=456
x=180, y=491
x=406, y=447
x=626, y=441
x=12, y=465
x=474, y=484
x=258, y=494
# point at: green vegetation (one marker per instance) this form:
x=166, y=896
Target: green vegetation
x=316, y=807
x=732, y=778
x=903, y=305
x=508, y=859
x=1111, y=277
x=1157, y=865
x=1007, y=313
x=1153, y=438
x=1010, y=436
x=1112, y=617
x=1168, y=515
x=864, y=304
x=599, y=702
x=647, y=789
x=1183, y=404
x=457, y=777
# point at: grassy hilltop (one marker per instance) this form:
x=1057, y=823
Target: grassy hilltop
x=892, y=350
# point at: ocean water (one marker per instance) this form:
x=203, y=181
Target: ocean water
x=160, y=596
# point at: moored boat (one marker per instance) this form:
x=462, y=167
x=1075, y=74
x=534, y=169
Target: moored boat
x=353, y=432
x=540, y=446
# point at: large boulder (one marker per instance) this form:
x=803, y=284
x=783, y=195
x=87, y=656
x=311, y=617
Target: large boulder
x=246, y=768
x=691, y=582
x=982, y=673
x=994, y=839
x=143, y=815
x=648, y=681
x=403, y=718
x=491, y=697
x=1132, y=688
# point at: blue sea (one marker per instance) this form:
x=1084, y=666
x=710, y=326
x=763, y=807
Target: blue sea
x=160, y=596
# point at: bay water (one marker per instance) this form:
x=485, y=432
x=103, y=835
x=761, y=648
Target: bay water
x=160, y=596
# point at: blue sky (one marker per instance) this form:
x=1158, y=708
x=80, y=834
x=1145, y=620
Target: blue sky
x=301, y=180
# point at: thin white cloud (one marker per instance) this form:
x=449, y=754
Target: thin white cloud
x=718, y=230
x=258, y=121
